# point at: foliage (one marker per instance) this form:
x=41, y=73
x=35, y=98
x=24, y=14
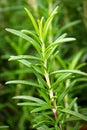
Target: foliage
x=51, y=101
x=71, y=18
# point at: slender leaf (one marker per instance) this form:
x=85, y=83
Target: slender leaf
x=12, y=44
x=4, y=127
x=83, y=117
x=40, y=24
x=61, y=37
x=76, y=59
x=32, y=33
x=49, y=20
x=62, y=78
x=39, y=125
x=49, y=50
x=72, y=118
x=61, y=62
x=32, y=20
x=22, y=82
x=24, y=36
x=69, y=71
x=81, y=79
x=73, y=23
x=81, y=65
x=43, y=127
x=38, y=69
x=57, y=42
x=45, y=96
x=42, y=108
x=26, y=63
x=30, y=98
x=29, y=104
x=12, y=73
x=60, y=98
x=19, y=57
x=41, y=81
x=72, y=103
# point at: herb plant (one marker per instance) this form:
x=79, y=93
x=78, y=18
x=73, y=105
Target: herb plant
x=50, y=105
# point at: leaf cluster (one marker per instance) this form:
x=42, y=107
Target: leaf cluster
x=51, y=84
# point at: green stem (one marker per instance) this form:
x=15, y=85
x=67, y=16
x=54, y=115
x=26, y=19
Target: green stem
x=51, y=94
x=66, y=101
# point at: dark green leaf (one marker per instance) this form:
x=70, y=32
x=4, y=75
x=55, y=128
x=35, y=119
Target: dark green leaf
x=32, y=33
x=72, y=103
x=32, y=20
x=4, y=127
x=69, y=71
x=49, y=20
x=42, y=108
x=76, y=59
x=62, y=78
x=62, y=95
x=26, y=63
x=19, y=57
x=83, y=117
x=22, y=82
x=29, y=104
x=30, y=98
x=24, y=36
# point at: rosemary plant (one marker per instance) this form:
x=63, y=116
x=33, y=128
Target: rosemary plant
x=51, y=108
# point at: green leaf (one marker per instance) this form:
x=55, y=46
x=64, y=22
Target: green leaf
x=39, y=125
x=41, y=82
x=15, y=72
x=43, y=127
x=40, y=24
x=12, y=44
x=22, y=82
x=49, y=50
x=61, y=62
x=68, y=25
x=72, y=118
x=61, y=37
x=45, y=96
x=44, y=115
x=48, y=22
x=24, y=36
x=42, y=108
x=30, y=98
x=29, y=104
x=25, y=48
x=57, y=42
x=4, y=127
x=19, y=57
x=38, y=69
x=32, y=20
x=76, y=59
x=62, y=95
x=69, y=71
x=83, y=117
x=63, y=77
x=81, y=79
x=32, y=33
x=26, y=63
x=81, y=65
x=72, y=103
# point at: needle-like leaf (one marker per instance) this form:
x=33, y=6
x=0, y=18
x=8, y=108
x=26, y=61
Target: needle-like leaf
x=26, y=37
x=32, y=20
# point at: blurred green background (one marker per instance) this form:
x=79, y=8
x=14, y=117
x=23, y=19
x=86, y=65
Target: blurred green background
x=71, y=18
